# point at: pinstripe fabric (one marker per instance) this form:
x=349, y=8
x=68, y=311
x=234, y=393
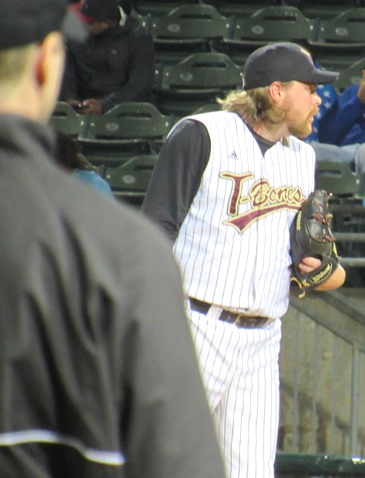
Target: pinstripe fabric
x=233, y=251
x=222, y=263
x=240, y=372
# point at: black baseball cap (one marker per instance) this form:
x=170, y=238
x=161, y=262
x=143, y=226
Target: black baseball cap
x=92, y=10
x=283, y=61
x=23, y=22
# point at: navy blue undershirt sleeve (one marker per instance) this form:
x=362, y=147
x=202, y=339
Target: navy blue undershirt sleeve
x=177, y=176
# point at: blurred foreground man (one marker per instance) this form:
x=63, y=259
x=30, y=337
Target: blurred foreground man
x=98, y=376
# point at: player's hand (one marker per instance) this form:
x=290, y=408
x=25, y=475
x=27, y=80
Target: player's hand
x=309, y=264
x=91, y=107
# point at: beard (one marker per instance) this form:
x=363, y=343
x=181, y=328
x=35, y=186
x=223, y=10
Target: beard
x=301, y=130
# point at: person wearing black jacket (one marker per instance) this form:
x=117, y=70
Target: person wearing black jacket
x=115, y=65
x=98, y=376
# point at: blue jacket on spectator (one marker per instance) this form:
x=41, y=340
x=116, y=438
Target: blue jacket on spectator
x=341, y=119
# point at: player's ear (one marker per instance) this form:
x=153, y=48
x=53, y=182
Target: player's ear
x=276, y=91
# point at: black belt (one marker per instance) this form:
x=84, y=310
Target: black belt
x=240, y=320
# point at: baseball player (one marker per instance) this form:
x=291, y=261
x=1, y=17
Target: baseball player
x=225, y=189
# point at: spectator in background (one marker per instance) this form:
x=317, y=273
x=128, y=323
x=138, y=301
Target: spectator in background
x=115, y=65
x=339, y=127
x=69, y=156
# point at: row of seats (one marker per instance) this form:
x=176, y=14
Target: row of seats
x=139, y=129
x=189, y=22
x=180, y=89
x=198, y=79
x=125, y=130
x=311, y=8
x=335, y=42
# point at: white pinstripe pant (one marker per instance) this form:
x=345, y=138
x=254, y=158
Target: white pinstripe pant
x=240, y=371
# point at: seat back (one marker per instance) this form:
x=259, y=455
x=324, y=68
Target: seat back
x=188, y=23
x=351, y=75
x=129, y=121
x=275, y=23
x=158, y=7
x=345, y=31
x=130, y=180
x=200, y=71
x=208, y=108
x=239, y=7
x=126, y=130
x=326, y=8
x=336, y=177
x=65, y=120
x=186, y=30
x=195, y=81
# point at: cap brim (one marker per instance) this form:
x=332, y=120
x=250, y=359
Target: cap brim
x=323, y=77
x=73, y=28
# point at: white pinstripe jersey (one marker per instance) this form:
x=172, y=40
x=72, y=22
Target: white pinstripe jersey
x=233, y=246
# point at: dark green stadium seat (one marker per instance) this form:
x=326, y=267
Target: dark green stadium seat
x=327, y=8
x=345, y=31
x=275, y=23
x=350, y=75
x=336, y=177
x=186, y=30
x=346, y=206
x=131, y=121
x=159, y=7
x=127, y=129
x=272, y=23
x=65, y=119
x=195, y=81
x=130, y=180
x=239, y=7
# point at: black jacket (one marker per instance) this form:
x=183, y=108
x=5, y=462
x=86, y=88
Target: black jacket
x=97, y=363
x=116, y=67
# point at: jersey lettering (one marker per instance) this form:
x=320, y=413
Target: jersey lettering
x=264, y=199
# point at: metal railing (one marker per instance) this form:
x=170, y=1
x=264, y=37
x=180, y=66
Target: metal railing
x=323, y=376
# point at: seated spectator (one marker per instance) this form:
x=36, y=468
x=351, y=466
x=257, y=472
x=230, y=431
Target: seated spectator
x=68, y=156
x=339, y=126
x=115, y=65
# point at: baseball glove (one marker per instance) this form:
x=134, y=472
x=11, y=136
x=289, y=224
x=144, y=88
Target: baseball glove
x=310, y=235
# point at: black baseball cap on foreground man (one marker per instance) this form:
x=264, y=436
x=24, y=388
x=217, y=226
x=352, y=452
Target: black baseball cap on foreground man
x=283, y=61
x=25, y=22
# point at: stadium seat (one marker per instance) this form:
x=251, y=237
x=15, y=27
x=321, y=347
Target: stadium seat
x=209, y=107
x=130, y=180
x=350, y=75
x=336, y=177
x=65, y=119
x=345, y=31
x=239, y=7
x=185, y=30
x=326, y=8
x=195, y=81
x=159, y=7
x=127, y=129
x=276, y=23
x=346, y=206
x=272, y=23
